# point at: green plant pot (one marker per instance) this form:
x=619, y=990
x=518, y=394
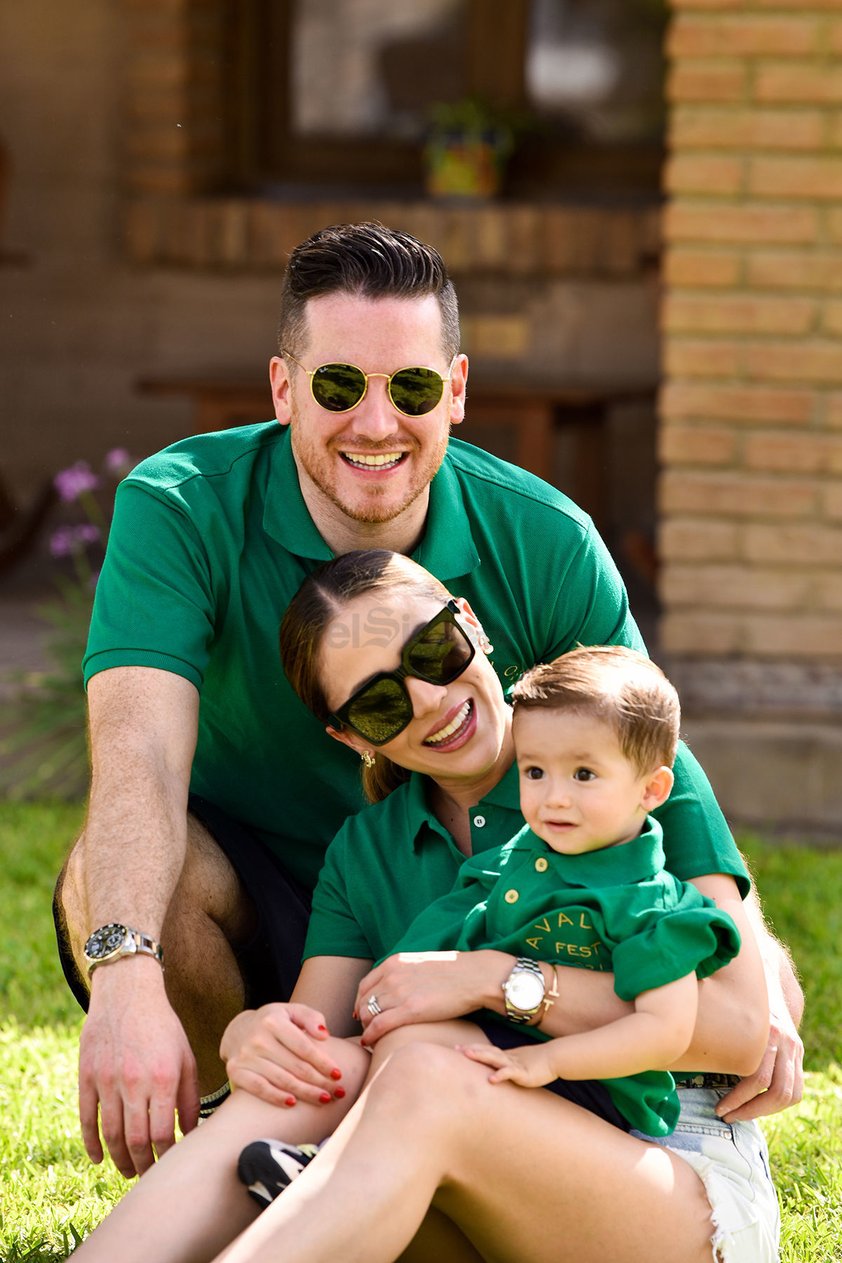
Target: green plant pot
x=464, y=166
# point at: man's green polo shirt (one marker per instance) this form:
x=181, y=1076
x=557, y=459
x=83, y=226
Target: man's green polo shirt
x=391, y=862
x=614, y=910
x=211, y=539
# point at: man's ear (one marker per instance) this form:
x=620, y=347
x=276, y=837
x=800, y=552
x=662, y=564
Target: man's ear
x=473, y=626
x=280, y=382
x=657, y=788
x=458, y=388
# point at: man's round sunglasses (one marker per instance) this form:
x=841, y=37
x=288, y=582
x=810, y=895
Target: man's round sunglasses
x=341, y=387
x=438, y=652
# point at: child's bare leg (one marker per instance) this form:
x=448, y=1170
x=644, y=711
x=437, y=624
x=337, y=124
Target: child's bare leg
x=190, y=1205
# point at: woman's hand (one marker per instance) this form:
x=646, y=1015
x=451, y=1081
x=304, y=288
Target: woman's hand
x=429, y=987
x=278, y=1053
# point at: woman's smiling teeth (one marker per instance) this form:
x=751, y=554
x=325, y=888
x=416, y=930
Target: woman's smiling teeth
x=376, y=460
x=460, y=718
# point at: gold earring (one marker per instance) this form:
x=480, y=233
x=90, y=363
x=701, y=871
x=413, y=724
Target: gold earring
x=367, y=758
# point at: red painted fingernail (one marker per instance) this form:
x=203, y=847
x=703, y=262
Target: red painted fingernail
x=339, y=1093
x=325, y=1098
x=335, y=1074
x=322, y=1028
x=290, y=1100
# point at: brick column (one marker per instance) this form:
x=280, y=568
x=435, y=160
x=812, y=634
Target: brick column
x=751, y=407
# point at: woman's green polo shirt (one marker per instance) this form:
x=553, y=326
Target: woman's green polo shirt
x=392, y=861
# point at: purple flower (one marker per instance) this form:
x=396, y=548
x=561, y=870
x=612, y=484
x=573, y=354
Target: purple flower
x=66, y=540
x=117, y=462
x=73, y=482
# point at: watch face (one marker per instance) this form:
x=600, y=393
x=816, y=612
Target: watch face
x=105, y=941
x=525, y=991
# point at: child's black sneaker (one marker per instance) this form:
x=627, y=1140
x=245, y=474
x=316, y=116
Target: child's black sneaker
x=266, y=1167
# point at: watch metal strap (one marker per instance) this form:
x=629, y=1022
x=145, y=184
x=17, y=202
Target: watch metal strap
x=524, y=964
x=135, y=943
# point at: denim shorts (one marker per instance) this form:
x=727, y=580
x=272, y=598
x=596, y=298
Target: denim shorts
x=733, y=1163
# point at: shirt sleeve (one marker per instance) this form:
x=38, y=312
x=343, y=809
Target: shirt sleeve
x=155, y=597
x=591, y=606
x=694, y=937
x=697, y=840
x=334, y=929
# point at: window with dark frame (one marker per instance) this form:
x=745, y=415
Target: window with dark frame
x=335, y=95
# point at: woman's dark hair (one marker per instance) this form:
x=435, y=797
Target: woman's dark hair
x=321, y=597
x=368, y=260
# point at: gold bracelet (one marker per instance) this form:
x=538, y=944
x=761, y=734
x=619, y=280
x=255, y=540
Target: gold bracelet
x=550, y=996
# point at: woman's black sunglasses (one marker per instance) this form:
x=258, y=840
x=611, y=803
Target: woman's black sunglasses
x=438, y=653
x=341, y=387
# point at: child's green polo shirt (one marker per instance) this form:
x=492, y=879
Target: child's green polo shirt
x=615, y=910
x=211, y=538
x=391, y=862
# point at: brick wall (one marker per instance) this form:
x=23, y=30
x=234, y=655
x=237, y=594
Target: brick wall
x=751, y=406
x=750, y=434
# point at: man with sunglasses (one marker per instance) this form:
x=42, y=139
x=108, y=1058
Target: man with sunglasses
x=210, y=540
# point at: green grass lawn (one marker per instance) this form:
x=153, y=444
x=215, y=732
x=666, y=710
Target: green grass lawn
x=50, y=1195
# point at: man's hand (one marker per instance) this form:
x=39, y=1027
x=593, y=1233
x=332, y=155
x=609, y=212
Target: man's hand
x=529, y=1067
x=428, y=987
x=135, y=1067
x=277, y=1053
x=778, y=1081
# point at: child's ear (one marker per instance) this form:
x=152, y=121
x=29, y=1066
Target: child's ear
x=657, y=788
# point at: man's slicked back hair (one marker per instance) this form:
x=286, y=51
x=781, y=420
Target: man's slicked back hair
x=368, y=260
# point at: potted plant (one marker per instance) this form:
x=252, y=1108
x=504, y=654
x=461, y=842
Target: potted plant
x=468, y=144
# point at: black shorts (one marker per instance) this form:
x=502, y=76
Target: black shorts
x=590, y=1094
x=271, y=960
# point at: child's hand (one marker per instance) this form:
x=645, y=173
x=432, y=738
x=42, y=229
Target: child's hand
x=529, y=1067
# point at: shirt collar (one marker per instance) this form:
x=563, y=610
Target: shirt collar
x=505, y=794
x=285, y=515
x=446, y=548
x=419, y=813
x=623, y=865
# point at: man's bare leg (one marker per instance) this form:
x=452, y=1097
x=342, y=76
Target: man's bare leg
x=209, y=915
x=190, y=1204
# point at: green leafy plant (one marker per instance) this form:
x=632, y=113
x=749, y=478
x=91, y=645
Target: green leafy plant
x=43, y=743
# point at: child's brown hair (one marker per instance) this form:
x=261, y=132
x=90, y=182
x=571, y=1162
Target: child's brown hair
x=621, y=687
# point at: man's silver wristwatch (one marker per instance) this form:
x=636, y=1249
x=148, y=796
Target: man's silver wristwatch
x=523, y=991
x=112, y=941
